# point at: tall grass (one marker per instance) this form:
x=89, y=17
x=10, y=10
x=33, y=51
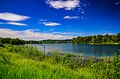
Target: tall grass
x=24, y=62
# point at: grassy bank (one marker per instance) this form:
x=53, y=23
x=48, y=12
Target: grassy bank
x=105, y=43
x=23, y=62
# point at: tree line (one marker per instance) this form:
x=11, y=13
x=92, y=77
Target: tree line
x=49, y=41
x=97, y=39
x=13, y=41
x=17, y=41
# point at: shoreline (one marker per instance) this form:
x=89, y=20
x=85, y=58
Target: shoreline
x=29, y=63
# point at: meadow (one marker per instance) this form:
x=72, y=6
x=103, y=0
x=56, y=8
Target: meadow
x=25, y=62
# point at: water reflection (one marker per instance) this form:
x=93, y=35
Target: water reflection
x=85, y=49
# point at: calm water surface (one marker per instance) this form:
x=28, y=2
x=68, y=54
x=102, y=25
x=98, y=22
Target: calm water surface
x=84, y=49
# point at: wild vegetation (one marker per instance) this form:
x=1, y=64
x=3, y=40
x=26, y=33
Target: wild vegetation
x=24, y=62
x=17, y=41
x=14, y=41
x=98, y=39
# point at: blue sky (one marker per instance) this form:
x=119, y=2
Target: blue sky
x=58, y=19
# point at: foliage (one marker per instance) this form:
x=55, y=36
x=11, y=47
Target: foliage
x=17, y=41
x=24, y=62
x=98, y=39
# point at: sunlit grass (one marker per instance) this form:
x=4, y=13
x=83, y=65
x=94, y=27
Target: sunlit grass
x=23, y=62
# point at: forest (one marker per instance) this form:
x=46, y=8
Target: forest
x=17, y=41
x=97, y=39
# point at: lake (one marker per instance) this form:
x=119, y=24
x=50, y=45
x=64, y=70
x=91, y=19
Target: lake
x=84, y=49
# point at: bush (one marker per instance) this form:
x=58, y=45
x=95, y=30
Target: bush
x=25, y=62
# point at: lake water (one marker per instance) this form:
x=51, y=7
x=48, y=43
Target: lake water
x=84, y=49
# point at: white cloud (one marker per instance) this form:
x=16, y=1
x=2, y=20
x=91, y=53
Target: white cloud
x=51, y=24
x=30, y=35
x=67, y=5
x=43, y=20
x=12, y=17
x=34, y=30
x=117, y=3
x=1, y=23
x=71, y=17
x=82, y=12
x=69, y=33
x=16, y=23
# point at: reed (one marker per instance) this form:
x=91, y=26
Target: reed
x=24, y=62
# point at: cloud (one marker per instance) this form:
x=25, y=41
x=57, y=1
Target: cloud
x=1, y=23
x=14, y=23
x=43, y=20
x=82, y=12
x=12, y=17
x=69, y=33
x=117, y=3
x=51, y=24
x=34, y=30
x=67, y=5
x=30, y=34
x=71, y=17
x=17, y=24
